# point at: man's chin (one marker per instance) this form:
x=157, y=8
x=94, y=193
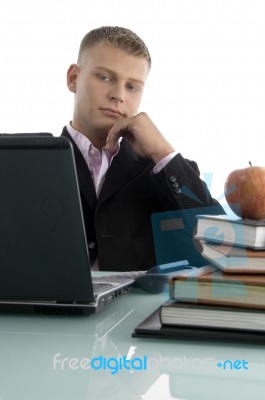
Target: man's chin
x=104, y=129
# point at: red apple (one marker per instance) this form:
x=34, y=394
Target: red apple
x=245, y=192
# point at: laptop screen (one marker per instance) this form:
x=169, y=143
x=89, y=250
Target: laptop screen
x=43, y=250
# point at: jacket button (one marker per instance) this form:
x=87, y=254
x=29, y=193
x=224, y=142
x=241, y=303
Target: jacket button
x=172, y=179
x=91, y=245
x=175, y=185
x=177, y=190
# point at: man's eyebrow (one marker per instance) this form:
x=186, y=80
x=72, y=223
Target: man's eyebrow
x=115, y=74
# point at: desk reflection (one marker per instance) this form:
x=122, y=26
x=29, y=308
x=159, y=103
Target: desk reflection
x=28, y=345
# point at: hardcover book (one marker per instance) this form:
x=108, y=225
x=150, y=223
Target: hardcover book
x=231, y=230
x=220, y=288
x=152, y=327
x=209, y=316
x=233, y=259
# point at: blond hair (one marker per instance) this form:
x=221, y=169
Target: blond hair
x=121, y=38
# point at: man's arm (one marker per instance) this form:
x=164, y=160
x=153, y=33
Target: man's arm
x=179, y=180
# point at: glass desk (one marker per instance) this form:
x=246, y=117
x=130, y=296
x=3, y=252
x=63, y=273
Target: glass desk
x=45, y=357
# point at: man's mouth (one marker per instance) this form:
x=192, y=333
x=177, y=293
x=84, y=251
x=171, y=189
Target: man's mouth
x=111, y=112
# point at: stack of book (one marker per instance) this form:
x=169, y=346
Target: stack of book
x=233, y=244
x=227, y=300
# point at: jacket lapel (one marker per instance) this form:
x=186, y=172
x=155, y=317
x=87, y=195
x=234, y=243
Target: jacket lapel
x=124, y=167
x=85, y=180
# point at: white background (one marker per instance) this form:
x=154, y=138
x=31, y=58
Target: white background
x=206, y=89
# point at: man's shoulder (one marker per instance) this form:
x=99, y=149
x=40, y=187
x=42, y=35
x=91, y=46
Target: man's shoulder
x=65, y=132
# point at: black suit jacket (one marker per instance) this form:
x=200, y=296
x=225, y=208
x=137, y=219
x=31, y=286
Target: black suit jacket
x=118, y=223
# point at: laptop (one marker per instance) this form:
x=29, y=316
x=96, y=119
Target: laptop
x=44, y=258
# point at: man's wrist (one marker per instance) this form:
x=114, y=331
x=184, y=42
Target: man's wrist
x=163, y=163
x=158, y=155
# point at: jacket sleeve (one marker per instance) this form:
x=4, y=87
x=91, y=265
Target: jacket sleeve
x=179, y=186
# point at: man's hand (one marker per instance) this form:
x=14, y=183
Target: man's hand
x=142, y=135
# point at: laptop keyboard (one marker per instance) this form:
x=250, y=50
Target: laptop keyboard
x=100, y=286
x=127, y=274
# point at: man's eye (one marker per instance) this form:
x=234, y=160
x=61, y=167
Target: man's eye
x=104, y=78
x=132, y=88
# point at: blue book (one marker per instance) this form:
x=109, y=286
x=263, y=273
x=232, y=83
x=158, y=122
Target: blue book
x=173, y=233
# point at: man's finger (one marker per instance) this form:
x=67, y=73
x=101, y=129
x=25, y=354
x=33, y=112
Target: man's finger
x=118, y=130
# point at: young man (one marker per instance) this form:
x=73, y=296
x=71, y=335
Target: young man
x=126, y=168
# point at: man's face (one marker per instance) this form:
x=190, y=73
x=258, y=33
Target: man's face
x=108, y=84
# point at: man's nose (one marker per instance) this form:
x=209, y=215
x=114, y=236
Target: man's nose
x=117, y=92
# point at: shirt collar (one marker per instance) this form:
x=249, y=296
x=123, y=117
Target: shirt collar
x=83, y=141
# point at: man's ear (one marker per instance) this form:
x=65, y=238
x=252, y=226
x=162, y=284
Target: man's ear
x=71, y=77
